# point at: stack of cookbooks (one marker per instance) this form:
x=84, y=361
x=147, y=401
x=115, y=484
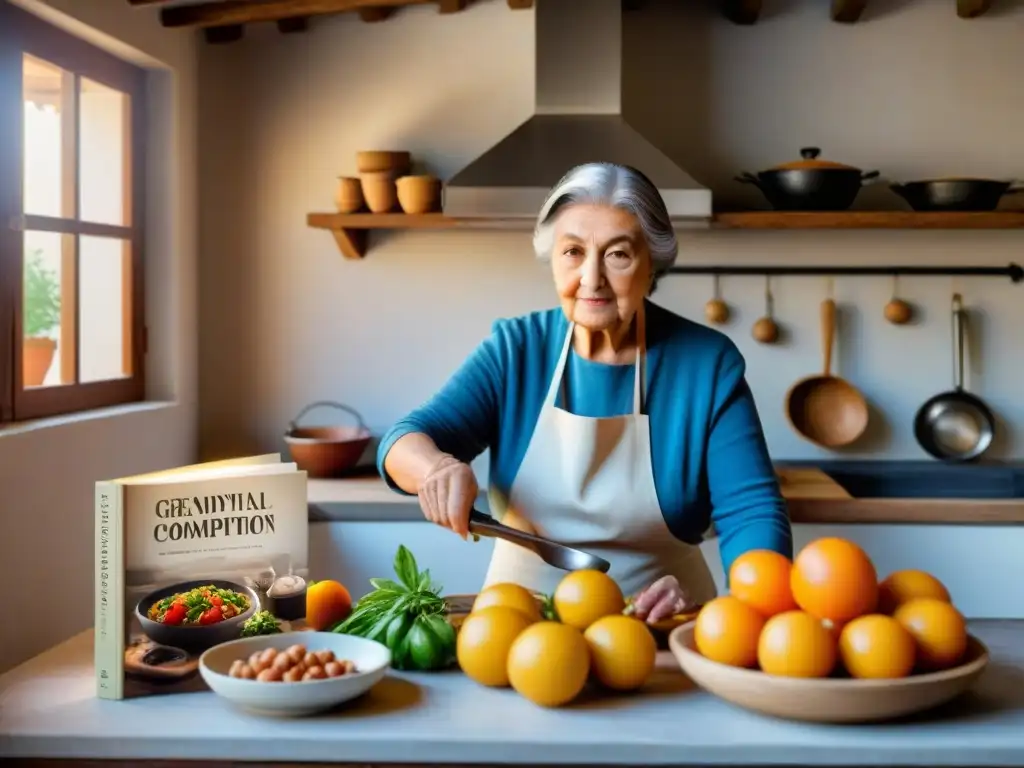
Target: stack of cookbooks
x=189, y=558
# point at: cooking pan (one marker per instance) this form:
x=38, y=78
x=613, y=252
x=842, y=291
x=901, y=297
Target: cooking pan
x=955, y=194
x=825, y=409
x=810, y=183
x=955, y=425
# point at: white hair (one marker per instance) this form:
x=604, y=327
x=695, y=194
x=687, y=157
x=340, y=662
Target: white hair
x=622, y=187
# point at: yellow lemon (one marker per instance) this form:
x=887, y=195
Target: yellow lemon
x=484, y=640
x=622, y=652
x=583, y=597
x=548, y=663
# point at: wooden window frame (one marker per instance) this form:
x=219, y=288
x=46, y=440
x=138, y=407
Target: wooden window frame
x=23, y=33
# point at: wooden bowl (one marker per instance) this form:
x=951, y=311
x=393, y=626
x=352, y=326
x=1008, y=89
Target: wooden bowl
x=379, y=191
x=348, y=196
x=418, y=194
x=373, y=160
x=829, y=700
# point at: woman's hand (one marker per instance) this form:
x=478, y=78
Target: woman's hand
x=447, y=494
x=663, y=599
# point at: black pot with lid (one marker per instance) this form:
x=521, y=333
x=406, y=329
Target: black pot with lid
x=810, y=183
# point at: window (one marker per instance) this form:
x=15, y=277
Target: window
x=72, y=336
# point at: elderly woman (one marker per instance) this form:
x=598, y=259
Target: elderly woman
x=614, y=425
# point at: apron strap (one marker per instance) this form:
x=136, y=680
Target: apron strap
x=639, y=387
x=557, y=378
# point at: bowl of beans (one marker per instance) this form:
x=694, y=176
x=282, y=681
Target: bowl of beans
x=294, y=673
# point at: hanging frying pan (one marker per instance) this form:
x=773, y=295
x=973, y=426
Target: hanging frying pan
x=955, y=425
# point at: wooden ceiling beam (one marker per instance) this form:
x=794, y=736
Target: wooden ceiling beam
x=292, y=25
x=374, y=14
x=227, y=12
x=848, y=11
x=971, y=9
x=741, y=11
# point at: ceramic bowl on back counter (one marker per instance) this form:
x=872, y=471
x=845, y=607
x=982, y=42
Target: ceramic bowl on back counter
x=362, y=664
x=190, y=633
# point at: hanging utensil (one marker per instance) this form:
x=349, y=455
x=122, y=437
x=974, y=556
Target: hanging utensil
x=897, y=311
x=826, y=409
x=766, y=330
x=552, y=553
x=716, y=311
x=955, y=425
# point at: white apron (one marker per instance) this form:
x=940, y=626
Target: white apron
x=589, y=483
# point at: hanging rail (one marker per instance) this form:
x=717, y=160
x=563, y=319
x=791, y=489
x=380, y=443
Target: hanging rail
x=1013, y=271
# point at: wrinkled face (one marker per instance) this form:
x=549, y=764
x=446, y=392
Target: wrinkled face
x=601, y=265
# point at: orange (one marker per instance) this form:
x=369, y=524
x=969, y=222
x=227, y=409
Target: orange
x=583, y=597
x=622, y=652
x=548, y=663
x=939, y=631
x=835, y=627
x=878, y=647
x=727, y=630
x=484, y=640
x=760, y=578
x=796, y=644
x=834, y=579
x=900, y=586
x=511, y=596
x=327, y=603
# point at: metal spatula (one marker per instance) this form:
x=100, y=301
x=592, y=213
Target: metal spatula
x=552, y=553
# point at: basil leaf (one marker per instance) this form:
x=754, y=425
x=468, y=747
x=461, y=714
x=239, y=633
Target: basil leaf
x=405, y=567
x=388, y=585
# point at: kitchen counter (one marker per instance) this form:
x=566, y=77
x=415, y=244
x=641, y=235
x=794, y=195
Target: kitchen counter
x=48, y=710
x=368, y=499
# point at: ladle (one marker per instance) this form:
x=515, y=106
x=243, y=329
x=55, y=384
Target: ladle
x=897, y=311
x=552, y=553
x=766, y=330
x=824, y=408
x=716, y=311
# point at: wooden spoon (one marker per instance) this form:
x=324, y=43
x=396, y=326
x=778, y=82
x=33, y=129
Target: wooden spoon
x=716, y=311
x=897, y=311
x=766, y=330
x=824, y=408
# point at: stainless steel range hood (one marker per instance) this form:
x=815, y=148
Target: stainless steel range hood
x=577, y=119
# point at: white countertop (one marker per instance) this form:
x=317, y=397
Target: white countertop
x=48, y=709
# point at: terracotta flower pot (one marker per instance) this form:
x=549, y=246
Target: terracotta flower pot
x=36, y=359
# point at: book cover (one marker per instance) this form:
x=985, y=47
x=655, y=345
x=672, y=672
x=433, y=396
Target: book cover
x=188, y=558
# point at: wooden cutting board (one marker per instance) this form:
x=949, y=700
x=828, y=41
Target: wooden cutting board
x=809, y=483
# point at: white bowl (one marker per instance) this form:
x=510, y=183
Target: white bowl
x=371, y=659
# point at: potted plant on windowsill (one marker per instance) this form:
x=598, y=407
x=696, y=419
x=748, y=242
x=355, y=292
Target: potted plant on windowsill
x=41, y=317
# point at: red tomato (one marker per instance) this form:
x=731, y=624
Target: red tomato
x=175, y=614
x=211, y=616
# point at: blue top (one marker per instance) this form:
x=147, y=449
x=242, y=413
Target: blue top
x=710, y=459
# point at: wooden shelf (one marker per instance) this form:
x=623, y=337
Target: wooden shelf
x=350, y=230
x=869, y=220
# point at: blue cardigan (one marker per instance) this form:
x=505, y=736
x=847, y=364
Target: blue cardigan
x=711, y=463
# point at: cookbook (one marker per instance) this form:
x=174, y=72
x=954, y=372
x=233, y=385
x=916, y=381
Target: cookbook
x=192, y=557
